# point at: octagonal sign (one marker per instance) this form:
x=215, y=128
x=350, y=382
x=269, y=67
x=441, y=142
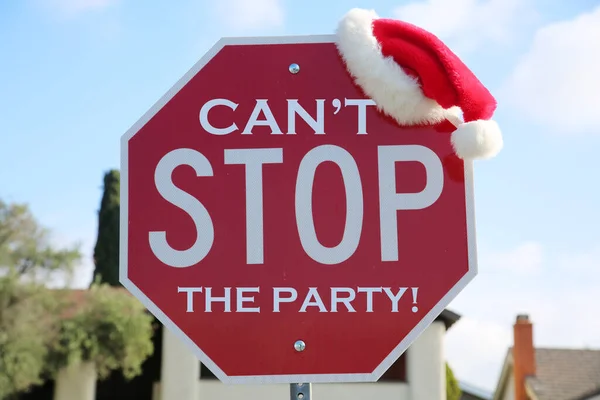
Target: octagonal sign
x=284, y=228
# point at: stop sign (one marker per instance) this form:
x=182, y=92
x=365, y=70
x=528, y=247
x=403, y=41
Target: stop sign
x=282, y=226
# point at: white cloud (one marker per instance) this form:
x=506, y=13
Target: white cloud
x=585, y=263
x=523, y=259
x=250, y=14
x=475, y=347
x=557, y=81
x=71, y=8
x=565, y=287
x=468, y=24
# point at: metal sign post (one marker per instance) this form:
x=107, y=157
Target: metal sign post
x=300, y=391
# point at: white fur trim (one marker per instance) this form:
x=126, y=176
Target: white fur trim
x=396, y=93
x=479, y=139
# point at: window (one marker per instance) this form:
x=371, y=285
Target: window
x=205, y=373
x=397, y=372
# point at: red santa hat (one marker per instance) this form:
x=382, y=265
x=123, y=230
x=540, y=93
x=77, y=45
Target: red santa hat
x=416, y=79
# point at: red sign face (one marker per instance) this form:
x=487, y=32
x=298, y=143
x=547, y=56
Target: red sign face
x=285, y=229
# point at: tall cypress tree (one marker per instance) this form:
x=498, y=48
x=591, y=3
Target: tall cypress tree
x=106, y=252
x=106, y=259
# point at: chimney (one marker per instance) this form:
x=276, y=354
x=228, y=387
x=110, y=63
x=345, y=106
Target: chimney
x=523, y=354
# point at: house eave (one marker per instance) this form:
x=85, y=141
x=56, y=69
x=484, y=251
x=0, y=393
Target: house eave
x=504, y=375
x=530, y=392
x=448, y=318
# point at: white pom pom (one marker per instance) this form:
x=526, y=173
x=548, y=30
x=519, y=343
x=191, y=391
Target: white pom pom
x=481, y=139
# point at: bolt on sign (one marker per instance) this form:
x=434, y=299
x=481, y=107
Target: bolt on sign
x=279, y=219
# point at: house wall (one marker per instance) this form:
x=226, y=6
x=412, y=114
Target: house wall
x=180, y=370
x=425, y=377
x=77, y=381
x=426, y=368
x=509, y=393
x=469, y=396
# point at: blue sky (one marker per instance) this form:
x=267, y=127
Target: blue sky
x=76, y=74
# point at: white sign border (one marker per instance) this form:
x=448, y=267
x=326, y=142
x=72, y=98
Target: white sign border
x=166, y=321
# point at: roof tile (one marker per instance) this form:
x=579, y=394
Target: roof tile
x=565, y=374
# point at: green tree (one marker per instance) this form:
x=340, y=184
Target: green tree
x=137, y=346
x=106, y=326
x=43, y=330
x=24, y=334
x=106, y=251
x=25, y=247
x=27, y=307
x=453, y=391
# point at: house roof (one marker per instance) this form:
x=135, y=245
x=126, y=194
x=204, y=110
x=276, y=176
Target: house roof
x=470, y=392
x=561, y=374
x=565, y=374
x=75, y=299
x=593, y=395
x=448, y=317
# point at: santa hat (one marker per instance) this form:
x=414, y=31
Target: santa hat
x=415, y=79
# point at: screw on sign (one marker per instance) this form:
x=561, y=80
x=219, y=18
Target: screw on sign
x=300, y=209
